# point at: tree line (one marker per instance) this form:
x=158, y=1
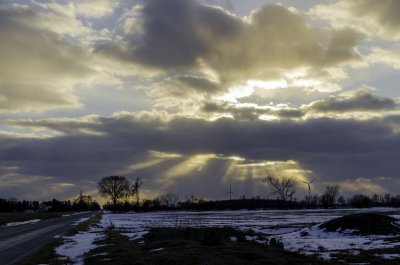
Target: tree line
x=81, y=203
x=124, y=195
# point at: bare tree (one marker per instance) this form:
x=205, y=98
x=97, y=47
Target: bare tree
x=341, y=200
x=328, y=199
x=115, y=188
x=284, y=187
x=83, y=199
x=169, y=199
x=135, y=189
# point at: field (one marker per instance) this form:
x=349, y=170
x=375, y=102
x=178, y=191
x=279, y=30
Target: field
x=246, y=235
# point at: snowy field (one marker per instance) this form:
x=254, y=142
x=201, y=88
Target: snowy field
x=297, y=229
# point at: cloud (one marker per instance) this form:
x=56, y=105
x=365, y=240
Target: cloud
x=225, y=4
x=182, y=93
x=355, y=104
x=335, y=150
x=363, y=185
x=389, y=57
x=252, y=111
x=96, y=8
x=374, y=18
x=184, y=36
x=33, y=187
x=38, y=68
x=245, y=93
x=384, y=13
x=57, y=17
x=177, y=33
x=355, y=101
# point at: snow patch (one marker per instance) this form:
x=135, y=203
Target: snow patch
x=135, y=235
x=157, y=249
x=315, y=241
x=76, y=246
x=388, y=256
x=81, y=220
x=250, y=238
x=22, y=223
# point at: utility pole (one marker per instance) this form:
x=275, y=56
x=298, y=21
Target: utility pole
x=230, y=192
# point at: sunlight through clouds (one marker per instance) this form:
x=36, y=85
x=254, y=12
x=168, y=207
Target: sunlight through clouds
x=276, y=168
x=195, y=95
x=363, y=185
x=193, y=163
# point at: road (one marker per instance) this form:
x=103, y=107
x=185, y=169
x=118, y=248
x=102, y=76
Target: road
x=20, y=241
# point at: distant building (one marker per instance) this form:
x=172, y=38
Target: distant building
x=45, y=206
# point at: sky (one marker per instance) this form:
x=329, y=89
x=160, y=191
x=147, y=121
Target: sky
x=193, y=96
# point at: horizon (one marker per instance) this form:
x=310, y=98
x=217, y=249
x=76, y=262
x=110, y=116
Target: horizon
x=193, y=96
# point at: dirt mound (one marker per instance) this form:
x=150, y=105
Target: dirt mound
x=363, y=224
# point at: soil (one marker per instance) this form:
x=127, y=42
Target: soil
x=364, y=224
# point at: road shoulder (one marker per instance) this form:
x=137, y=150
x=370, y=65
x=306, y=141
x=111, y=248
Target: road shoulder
x=47, y=254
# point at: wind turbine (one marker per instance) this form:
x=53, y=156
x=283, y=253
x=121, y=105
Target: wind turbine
x=309, y=188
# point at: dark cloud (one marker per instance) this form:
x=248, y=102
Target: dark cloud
x=183, y=87
x=339, y=47
x=198, y=83
x=354, y=101
x=358, y=101
x=182, y=34
x=335, y=150
x=177, y=33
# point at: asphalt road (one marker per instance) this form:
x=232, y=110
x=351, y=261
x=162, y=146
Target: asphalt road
x=20, y=241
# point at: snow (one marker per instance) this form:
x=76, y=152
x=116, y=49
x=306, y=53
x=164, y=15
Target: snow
x=237, y=219
x=233, y=238
x=297, y=229
x=270, y=222
x=313, y=240
x=250, y=238
x=76, y=246
x=23, y=223
x=135, y=235
x=70, y=214
x=84, y=219
x=101, y=254
x=389, y=256
x=157, y=249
